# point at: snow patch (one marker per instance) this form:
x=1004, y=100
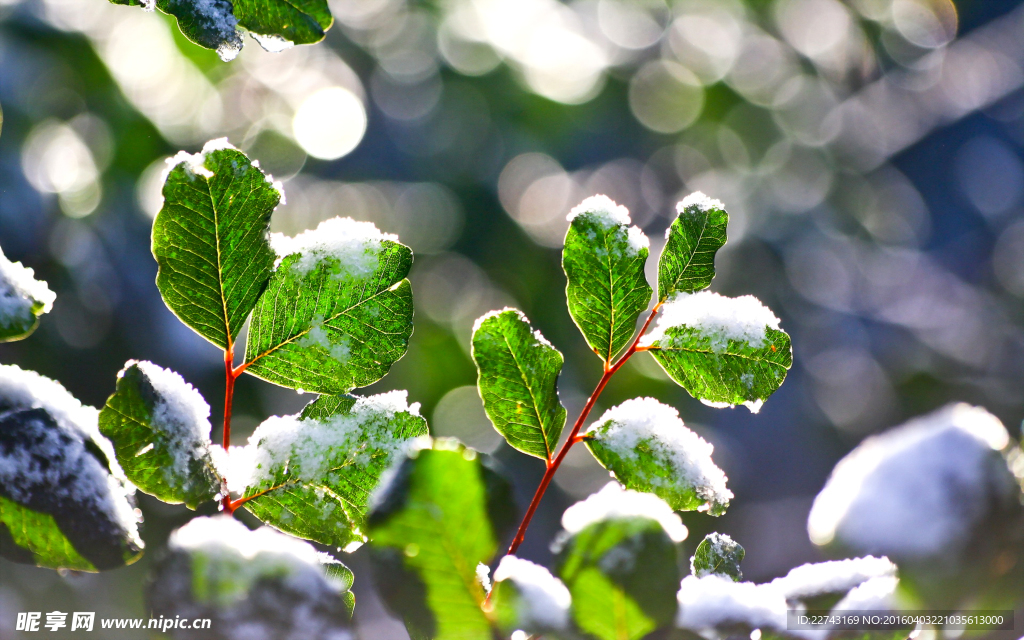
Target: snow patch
x=308, y=448
x=712, y=601
x=21, y=295
x=195, y=163
x=697, y=201
x=544, y=600
x=59, y=461
x=615, y=502
x=607, y=213
x=717, y=318
x=838, y=576
x=603, y=209
x=918, y=491
x=876, y=594
x=658, y=428
x=272, y=43
x=356, y=246
x=181, y=415
x=233, y=552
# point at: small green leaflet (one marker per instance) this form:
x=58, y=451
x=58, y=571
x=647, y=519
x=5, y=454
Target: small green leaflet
x=59, y=507
x=723, y=351
x=687, y=262
x=333, y=318
x=160, y=430
x=518, y=375
x=275, y=24
x=217, y=568
x=22, y=300
x=313, y=474
x=439, y=519
x=604, y=260
x=622, y=575
x=648, y=448
x=211, y=242
x=718, y=554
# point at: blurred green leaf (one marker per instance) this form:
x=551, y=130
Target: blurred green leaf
x=30, y=537
x=442, y=516
x=329, y=329
x=687, y=262
x=730, y=374
x=320, y=470
x=58, y=504
x=718, y=554
x=163, y=450
x=623, y=577
x=22, y=299
x=606, y=288
x=518, y=381
x=263, y=581
x=211, y=241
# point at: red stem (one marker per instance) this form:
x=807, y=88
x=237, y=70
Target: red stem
x=229, y=395
x=574, y=437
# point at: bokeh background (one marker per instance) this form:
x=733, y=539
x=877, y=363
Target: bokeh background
x=870, y=152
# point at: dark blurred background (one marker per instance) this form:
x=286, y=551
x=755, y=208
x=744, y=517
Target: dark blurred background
x=870, y=152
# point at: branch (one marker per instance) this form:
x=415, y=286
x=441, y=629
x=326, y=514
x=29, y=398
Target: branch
x=229, y=393
x=574, y=436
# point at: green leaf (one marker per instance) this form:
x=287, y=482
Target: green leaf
x=30, y=537
x=275, y=24
x=312, y=474
x=280, y=22
x=622, y=574
x=687, y=262
x=22, y=300
x=435, y=523
x=648, y=448
x=518, y=381
x=58, y=504
x=265, y=582
x=723, y=351
x=718, y=554
x=211, y=241
x=337, y=312
x=159, y=426
x=604, y=262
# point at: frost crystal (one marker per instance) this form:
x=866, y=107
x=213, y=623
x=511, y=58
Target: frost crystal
x=60, y=460
x=21, y=295
x=607, y=213
x=544, y=600
x=656, y=428
x=181, y=414
x=838, y=576
x=615, y=502
x=309, y=448
x=714, y=601
x=717, y=318
x=918, y=491
x=355, y=245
